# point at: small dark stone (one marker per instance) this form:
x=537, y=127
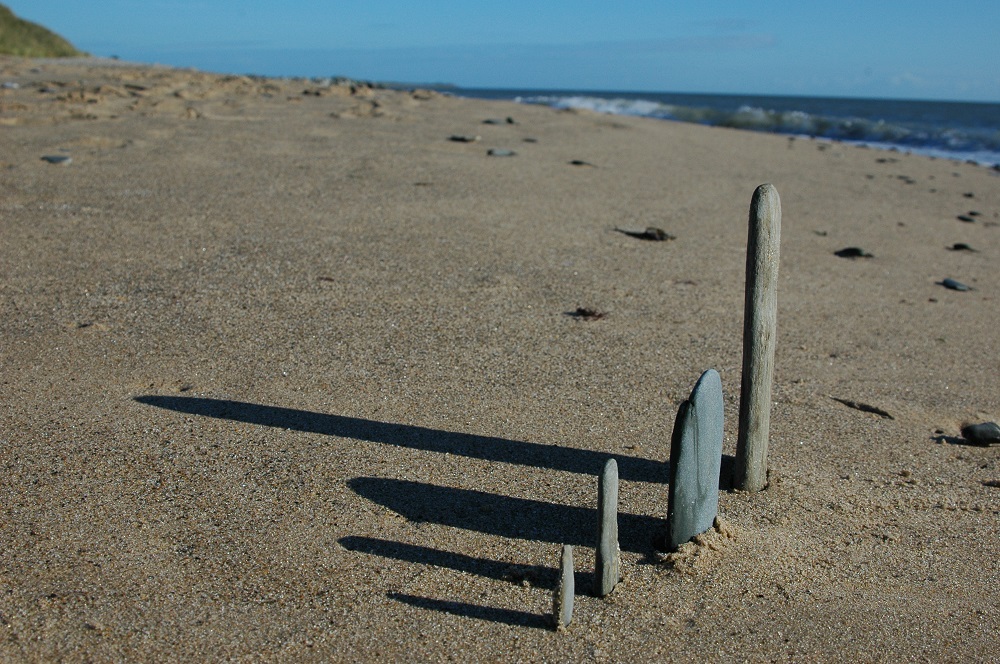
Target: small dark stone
x=651, y=233
x=529, y=139
x=464, y=139
x=987, y=433
x=585, y=313
x=966, y=218
x=969, y=194
x=580, y=162
x=951, y=284
x=960, y=246
x=853, y=252
x=974, y=213
x=57, y=159
x=493, y=121
x=864, y=408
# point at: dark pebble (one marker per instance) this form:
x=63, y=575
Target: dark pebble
x=585, y=313
x=651, y=233
x=57, y=159
x=960, y=246
x=987, y=433
x=966, y=218
x=951, y=284
x=464, y=139
x=580, y=162
x=969, y=194
x=853, y=252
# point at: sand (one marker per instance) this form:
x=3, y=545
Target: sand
x=290, y=376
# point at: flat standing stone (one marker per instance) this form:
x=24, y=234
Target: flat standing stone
x=695, y=462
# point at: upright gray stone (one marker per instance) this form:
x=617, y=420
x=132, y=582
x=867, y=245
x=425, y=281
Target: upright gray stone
x=608, y=554
x=562, y=604
x=695, y=462
x=760, y=312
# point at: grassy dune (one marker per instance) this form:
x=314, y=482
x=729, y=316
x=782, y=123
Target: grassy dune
x=27, y=39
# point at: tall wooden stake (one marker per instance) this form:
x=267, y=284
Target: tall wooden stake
x=760, y=311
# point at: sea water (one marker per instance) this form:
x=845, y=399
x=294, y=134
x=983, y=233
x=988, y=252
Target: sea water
x=966, y=131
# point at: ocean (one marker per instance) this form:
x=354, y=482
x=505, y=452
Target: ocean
x=964, y=131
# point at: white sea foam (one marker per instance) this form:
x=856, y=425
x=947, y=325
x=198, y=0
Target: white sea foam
x=949, y=130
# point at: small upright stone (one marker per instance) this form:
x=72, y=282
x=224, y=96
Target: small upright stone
x=695, y=462
x=608, y=565
x=562, y=604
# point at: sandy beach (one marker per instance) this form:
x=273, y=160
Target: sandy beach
x=289, y=375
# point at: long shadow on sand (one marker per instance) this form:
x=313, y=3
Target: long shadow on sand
x=503, y=516
x=488, y=448
x=504, y=616
x=538, y=576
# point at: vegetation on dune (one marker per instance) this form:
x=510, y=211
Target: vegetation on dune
x=30, y=40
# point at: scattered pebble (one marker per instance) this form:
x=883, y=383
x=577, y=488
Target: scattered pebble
x=966, y=218
x=464, y=139
x=986, y=433
x=651, y=233
x=865, y=408
x=969, y=194
x=498, y=121
x=585, y=313
x=853, y=252
x=580, y=162
x=57, y=159
x=500, y=152
x=529, y=139
x=960, y=246
x=951, y=284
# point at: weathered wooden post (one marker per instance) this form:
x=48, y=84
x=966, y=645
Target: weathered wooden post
x=608, y=564
x=760, y=310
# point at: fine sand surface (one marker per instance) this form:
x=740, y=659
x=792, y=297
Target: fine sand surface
x=290, y=376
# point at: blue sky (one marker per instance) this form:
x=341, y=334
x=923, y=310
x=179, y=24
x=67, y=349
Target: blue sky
x=914, y=49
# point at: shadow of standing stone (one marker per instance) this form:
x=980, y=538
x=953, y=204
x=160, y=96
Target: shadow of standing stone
x=695, y=462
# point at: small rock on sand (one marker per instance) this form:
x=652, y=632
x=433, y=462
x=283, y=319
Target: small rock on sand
x=951, y=284
x=853, y=252
x=986, y=433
